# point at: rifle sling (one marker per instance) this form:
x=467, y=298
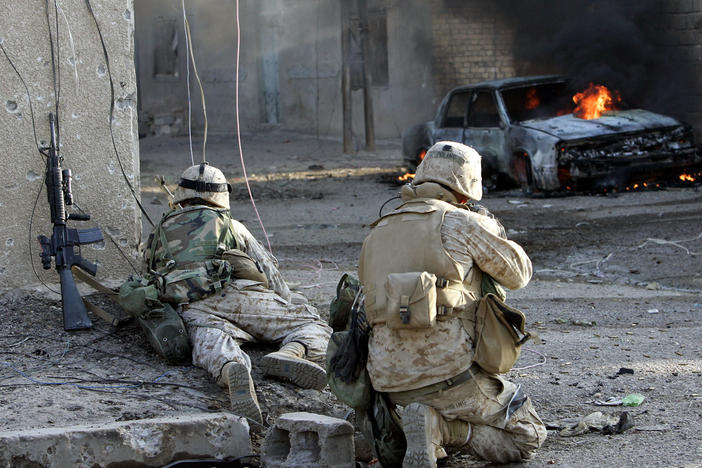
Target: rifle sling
x=111, y=294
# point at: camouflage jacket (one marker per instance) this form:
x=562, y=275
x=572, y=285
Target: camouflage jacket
x=183, y=254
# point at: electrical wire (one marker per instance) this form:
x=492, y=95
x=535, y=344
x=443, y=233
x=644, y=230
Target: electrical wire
x=109, y=236
x=380, y=211
x=70, y=41
x=187, y=74
x=29, y=97
x=85, y=387
x=197, y=76
x=112, y=112
x=238, y=128
x=56, y=72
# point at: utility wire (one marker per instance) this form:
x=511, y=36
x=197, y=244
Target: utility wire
x=187, y=74
x=112, y=111
x=197, y=76
x=238, y=128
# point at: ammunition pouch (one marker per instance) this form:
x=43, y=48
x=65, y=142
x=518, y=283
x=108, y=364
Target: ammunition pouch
x=410, y=300
x=417, y=299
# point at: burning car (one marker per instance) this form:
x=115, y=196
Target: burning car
x=537, y=133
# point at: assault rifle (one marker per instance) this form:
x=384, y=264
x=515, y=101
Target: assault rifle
x=63, y=241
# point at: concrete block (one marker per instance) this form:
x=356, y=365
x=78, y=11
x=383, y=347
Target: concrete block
x=307, y=440
x=145, y=442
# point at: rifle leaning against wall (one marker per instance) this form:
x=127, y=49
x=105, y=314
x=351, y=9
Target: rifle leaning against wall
x=64, y=240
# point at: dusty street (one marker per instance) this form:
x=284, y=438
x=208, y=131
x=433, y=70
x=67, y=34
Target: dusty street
x=604, y=297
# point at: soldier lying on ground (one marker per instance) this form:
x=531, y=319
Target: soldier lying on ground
x=205, y=269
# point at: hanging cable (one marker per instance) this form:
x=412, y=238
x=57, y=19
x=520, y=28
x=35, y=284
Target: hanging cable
x=112, y=112
x=238, y=128
x=188, y=37
x=56, y=73
x=29, y=98
x=70, y=41
x=187, y=74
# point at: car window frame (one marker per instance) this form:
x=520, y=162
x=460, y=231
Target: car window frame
x=442, y=122
x=501, y=122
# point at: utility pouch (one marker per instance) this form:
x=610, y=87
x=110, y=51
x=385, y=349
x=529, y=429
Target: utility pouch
x=137, y=295
x=499, y=334
x=202, y=280
x=244, y=267
x=411, y=300
x=355, y=393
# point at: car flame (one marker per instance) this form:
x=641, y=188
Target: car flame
x=596, y=99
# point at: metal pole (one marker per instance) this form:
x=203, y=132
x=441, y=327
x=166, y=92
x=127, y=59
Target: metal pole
x=367, y=78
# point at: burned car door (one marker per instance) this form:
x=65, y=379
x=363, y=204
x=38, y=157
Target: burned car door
x=452, y=123
x=485, y=131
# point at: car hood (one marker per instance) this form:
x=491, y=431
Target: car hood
x=569, y=127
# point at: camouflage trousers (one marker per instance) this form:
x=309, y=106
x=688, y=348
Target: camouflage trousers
x=245, y=312
x=483, y=401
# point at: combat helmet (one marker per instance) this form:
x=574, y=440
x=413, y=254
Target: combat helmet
x=204, y=182
x=453, y=165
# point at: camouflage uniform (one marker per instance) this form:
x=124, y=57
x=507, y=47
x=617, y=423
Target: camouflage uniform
x=220, y=315
x=428, y=370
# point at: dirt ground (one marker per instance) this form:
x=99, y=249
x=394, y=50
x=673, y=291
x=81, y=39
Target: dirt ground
x=615, y=300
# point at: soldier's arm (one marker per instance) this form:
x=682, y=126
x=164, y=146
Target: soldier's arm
x=268, y=262
x=503, y=259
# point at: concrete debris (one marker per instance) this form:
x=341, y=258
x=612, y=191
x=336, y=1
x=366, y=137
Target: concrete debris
x=153, y=442
x=309, y=440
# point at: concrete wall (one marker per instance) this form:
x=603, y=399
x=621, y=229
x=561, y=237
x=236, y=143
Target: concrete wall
x=163, y=99
x=302, y=42
x=98, y=184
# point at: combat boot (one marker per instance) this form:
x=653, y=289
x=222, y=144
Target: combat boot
x=289, y=364
x=242, y=393
x=420, y=423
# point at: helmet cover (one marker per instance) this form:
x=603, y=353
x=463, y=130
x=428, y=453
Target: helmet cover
x=453, y=165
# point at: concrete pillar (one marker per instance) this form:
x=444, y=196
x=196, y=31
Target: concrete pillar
x=99, y=186
x=309, y=440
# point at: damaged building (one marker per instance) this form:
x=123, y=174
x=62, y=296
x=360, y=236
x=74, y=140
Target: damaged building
x=291, y=57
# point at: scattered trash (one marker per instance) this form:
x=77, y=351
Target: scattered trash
x=546, y=206
x=653, y=286
x=598, y=422
x=613, y=401
x=635, y=399
x=584, y=323
x=516, y=202
x=625, y=370
x=652, y=311
x=560, y=321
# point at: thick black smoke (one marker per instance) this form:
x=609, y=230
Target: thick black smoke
x=620, y=44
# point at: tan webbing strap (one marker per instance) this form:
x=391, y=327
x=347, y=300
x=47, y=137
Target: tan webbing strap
x=111, y=294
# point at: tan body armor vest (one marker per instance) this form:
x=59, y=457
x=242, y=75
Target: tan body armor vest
x=409, y=240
